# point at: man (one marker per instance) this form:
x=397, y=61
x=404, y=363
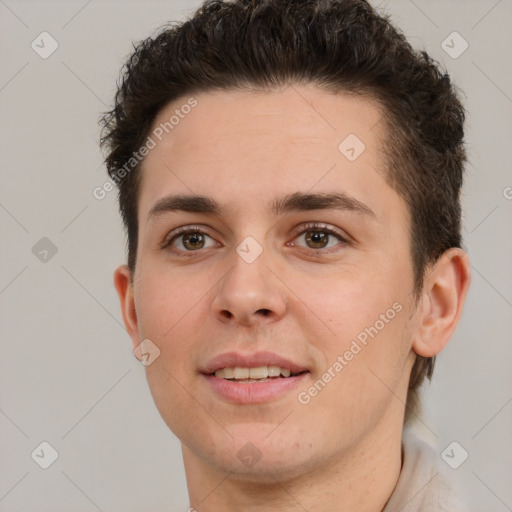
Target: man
x=289, y=176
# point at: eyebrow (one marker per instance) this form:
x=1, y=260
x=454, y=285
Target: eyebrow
x=297, y=201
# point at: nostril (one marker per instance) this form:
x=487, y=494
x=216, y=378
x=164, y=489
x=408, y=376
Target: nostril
x=265, y=312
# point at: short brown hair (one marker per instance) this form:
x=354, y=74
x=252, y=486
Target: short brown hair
x=337, y=45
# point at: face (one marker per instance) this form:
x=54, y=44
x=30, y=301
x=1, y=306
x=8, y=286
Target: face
x=295, y=271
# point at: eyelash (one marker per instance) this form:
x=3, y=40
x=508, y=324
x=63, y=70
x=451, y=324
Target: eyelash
x=312, y=226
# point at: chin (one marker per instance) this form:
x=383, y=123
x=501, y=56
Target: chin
x=254, y=456
x=270, y=469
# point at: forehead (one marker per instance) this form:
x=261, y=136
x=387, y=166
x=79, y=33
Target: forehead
x=241, y=145
x=299, y=114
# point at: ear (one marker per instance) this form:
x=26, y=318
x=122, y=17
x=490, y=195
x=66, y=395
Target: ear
x=124, y=287
x=443, y=295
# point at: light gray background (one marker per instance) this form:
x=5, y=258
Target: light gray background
x=67, y=373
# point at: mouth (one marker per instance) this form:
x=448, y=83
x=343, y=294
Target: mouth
x=255, y=374
x=252, y=378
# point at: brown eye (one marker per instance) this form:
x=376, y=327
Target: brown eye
x=189, y=239
x=317, y=239
x=193, y=241
x=320, y=238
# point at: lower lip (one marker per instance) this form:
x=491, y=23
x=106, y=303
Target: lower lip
x=253, y=392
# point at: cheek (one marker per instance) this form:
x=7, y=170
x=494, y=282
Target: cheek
x=362, y=319
x=167, y=313
x=163, y=298
x=178, y=403
x=342, y=304
x=363, y=373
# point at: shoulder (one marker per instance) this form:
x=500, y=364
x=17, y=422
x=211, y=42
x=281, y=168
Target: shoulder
x=424, y=484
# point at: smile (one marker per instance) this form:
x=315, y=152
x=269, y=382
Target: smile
x=254, y=378
x=255, y=374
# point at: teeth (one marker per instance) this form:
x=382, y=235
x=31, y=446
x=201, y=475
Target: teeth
x=241, y=373
x=259, y=372
x=274, y=371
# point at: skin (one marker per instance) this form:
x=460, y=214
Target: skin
x=245, y=149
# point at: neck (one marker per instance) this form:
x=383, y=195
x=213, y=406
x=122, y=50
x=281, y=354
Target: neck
x=362, y=479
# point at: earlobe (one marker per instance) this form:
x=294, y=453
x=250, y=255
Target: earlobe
x=443, y=296
x=124, y=287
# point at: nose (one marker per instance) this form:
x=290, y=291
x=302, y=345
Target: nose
x=250, y=293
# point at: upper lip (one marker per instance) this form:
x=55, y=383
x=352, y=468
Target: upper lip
x=232, y=359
